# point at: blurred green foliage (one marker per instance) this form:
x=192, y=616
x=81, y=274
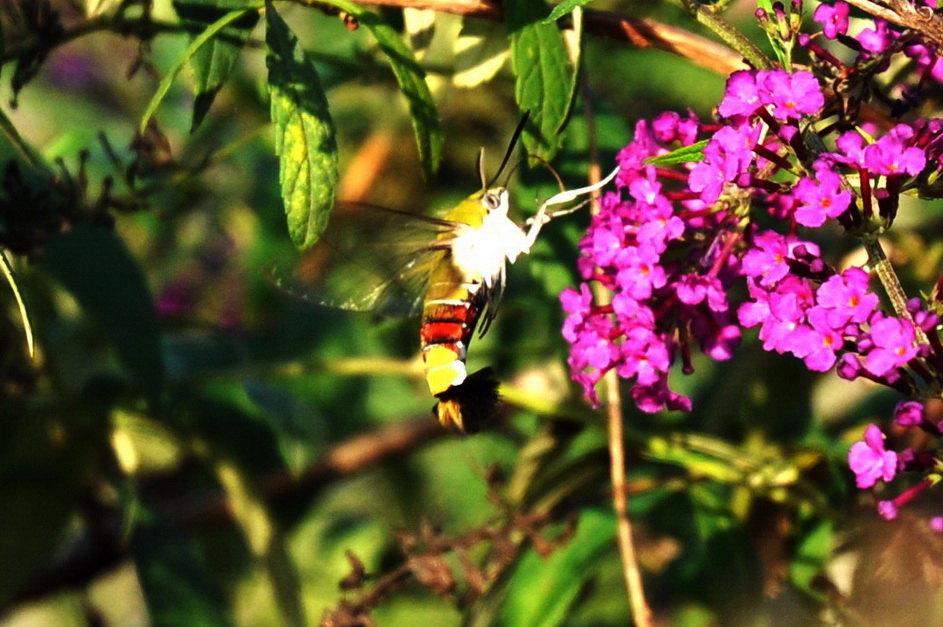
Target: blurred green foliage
x=192, y=446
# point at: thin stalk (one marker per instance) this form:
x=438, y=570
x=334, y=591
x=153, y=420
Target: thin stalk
x=641, y=613
x=885, y=271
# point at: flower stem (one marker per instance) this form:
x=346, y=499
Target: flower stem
x=729, y=34
x=641, y=613
x=885, y=271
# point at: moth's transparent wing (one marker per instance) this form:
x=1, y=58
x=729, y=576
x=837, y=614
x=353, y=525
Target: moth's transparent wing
x=370, y=259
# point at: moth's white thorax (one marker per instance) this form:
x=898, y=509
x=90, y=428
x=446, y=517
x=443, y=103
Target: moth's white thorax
x=480, y=254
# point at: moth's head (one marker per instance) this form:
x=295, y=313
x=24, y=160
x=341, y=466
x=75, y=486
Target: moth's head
x=494, y=200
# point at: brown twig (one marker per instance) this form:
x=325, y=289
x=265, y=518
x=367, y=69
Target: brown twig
x=350, y=457
x=639, y=32
x=905, y=13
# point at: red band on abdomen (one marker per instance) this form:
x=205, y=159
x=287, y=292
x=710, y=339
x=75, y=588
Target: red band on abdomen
x=442, y=332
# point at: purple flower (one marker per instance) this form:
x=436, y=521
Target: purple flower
x=768, y=260
x=878, y=39
x=893, y=345
x=820, y=344
x=820, y=197
x=909, y=414
x=891, y=154
x=870, y=461
x=727, y=155
x=851, y=145
x=741, y=97
x=645, y=357
x=834, y=19
x=846, y=298
x=887, y=510
x=791, y=95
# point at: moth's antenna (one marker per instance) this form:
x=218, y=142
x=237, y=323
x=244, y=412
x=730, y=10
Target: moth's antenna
x=507, y=155
x=481, y=169
x=547, y=165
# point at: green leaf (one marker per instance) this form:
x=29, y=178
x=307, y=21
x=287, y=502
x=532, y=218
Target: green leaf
x=564, y=8
x=188, y=54
x=480, y=50
x=543, y=589
x=543, y=77
x=177, y=588
x=304, y=134
x=213, y=62
x=94, y=266
x=412, y=83
x=685, y=154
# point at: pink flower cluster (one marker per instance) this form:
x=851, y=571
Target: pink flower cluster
x=669, y=244
x=662, y=256
x=673, y=243
x=872, y=462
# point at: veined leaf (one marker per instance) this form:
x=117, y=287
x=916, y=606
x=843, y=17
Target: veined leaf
x=564, y=8
x=412, y=83
x=213, y=62
x=543, y=75
x=304, y=134
x=685, y=154
x=480, y=51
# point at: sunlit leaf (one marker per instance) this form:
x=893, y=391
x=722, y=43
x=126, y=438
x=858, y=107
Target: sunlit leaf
x=543, y=76
x=412, y=83
x=685, y=154
x=142, y=444
x=480, y=51
x=97, y=269
x=304, y=134
x=213, y=62
x=565, y=7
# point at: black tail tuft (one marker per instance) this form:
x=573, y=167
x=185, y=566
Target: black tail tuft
x=470, y=405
